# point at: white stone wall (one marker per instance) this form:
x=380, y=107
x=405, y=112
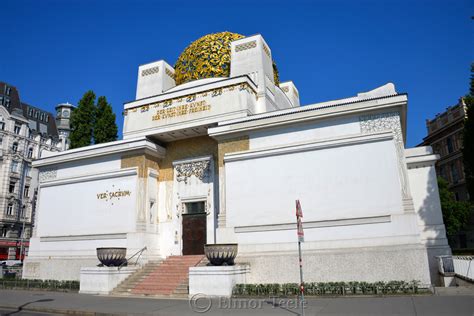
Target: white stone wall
x=351, y=180
x=88, y=201
x=304, y=132
x=343, y=182
x=76, y=206
x=154, y=78
x=369, y=264
x=424, y=188
x=252, y=56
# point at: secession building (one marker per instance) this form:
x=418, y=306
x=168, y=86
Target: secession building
x=25, y=132
x=217, y=149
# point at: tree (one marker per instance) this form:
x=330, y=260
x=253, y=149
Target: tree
x=82, y=121
x=105, y=128
x=455, y=213
x=468, y=139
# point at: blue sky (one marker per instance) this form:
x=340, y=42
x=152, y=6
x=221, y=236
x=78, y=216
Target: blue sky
x=54, y=51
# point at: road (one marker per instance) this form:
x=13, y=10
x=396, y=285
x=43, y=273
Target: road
x=28, y=302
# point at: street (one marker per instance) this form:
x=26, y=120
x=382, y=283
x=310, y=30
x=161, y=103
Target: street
x=14, y=302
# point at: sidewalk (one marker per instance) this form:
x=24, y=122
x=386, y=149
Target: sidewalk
x=81, y=304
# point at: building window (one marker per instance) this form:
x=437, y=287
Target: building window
x=42, y=116
x=195, y=207
x=449, y=143
x=7, y=102
x=4, y=232
x=10, y=209
x=11, y=188
x=8, y=90
x=2, y=125
x=26, y=191
x=15, y=147
x=27, y=170
x=46, y=118
x=454, y=173
x=17, y=129
x=1, y=100
x=30, y=152
x=14, y=166
x=22, y=215
x=36, y=114
x=30, y=111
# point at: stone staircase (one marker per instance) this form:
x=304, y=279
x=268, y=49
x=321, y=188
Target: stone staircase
x=157, y=278
x=183, y=288
x=126, y=286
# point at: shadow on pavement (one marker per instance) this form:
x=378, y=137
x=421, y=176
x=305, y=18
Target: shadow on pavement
x=281, y=306
x=20, y=308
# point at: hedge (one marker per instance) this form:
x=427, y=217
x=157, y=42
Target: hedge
x=48, y=285
x=329, y=288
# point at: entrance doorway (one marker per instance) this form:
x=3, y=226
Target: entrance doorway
x=194, y=228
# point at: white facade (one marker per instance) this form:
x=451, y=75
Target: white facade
x=241, y=150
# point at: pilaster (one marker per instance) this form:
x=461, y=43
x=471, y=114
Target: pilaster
x=391, y=121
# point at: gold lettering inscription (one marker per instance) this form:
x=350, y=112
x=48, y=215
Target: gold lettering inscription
x=181, y=110
x=111, y=195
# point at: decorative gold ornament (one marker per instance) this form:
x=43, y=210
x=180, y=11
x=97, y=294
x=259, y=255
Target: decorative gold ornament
x=208, y=57
x=276, y=75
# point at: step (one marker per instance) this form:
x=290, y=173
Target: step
x=167, y=277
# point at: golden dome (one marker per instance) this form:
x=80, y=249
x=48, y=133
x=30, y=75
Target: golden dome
x=207, y=57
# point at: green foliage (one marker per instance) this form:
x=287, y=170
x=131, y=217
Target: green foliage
x=468, y=139
x=455, y=213
x=105, y=128
x=47, y=285
x=329, y=288
x=82, y=121
x=92, y=123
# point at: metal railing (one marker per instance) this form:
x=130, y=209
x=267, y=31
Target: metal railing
x=445, y=265
x=464, y=267
x=137, y=254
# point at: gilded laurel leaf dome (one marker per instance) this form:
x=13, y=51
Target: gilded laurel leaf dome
x=207, y=57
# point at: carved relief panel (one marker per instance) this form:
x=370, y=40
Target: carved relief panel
x=389, y=122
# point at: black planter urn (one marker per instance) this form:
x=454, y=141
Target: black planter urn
x=221, y=254
x=112, y=256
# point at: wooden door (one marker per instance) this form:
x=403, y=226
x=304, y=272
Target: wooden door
x=194, y=233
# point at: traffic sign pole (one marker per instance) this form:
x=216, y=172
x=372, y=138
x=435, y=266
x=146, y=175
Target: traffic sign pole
x=300, y=232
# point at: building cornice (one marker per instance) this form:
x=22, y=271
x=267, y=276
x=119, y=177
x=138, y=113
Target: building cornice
x=311, y=113
x=192, y=90
x=428, y=140
x=420, y=157
x=106, y=149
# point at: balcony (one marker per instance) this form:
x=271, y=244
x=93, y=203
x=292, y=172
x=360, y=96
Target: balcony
x=15, y=174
